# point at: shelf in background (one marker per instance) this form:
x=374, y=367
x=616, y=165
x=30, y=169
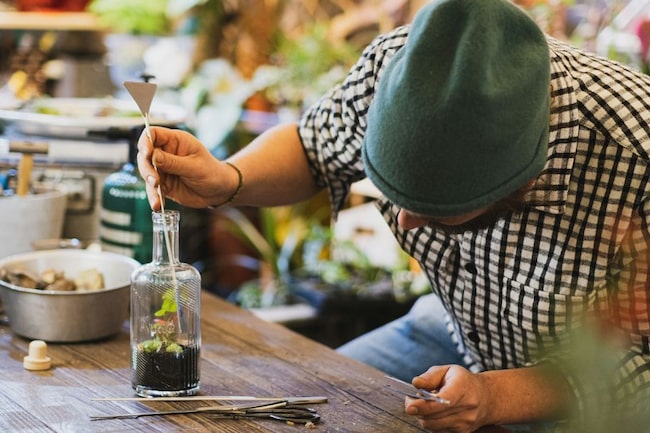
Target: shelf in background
x=49, y=21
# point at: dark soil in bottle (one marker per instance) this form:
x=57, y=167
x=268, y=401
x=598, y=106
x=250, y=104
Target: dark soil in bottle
x=167, y=371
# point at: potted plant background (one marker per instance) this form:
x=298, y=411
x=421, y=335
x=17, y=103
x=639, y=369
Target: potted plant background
x=301, y=261
x=275, y=241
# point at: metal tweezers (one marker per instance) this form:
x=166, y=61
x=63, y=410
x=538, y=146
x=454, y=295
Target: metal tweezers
x=277, y=410
x=417, y=393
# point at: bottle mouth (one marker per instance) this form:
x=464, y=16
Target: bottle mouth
x=168, y=217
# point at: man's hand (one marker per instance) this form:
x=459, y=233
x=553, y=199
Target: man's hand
x=500, y=397
x=184, y=168
x=465, y=391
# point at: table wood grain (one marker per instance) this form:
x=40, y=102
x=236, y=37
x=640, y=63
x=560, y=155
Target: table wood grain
x=240, y=355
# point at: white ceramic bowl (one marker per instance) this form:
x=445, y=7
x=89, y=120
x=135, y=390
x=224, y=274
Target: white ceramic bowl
x=74, y=316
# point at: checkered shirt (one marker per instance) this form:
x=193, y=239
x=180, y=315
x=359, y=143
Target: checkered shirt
x=582, y=244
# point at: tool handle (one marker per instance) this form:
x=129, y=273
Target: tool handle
x=24, y=174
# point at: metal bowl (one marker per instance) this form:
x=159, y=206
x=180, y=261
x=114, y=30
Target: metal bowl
x=74, y=316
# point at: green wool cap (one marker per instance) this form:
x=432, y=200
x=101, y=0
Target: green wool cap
x=460, y=119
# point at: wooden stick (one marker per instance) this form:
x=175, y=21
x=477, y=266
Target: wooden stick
x=26, y=164
x=24, y=174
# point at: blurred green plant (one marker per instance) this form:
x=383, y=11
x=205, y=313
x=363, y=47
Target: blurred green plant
x=303, y=68
x=590, y=358
x=139, y=17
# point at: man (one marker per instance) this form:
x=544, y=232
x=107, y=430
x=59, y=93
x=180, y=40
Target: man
x=514, y=168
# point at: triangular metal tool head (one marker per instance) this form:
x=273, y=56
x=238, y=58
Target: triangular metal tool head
x=142, y=93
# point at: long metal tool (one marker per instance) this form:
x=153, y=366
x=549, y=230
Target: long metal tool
x=289, y=410
x=143, y=93
x=291, y=400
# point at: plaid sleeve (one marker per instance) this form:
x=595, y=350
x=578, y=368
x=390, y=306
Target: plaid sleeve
x=332, y=129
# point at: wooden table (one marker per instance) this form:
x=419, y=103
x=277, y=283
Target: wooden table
x=241, y=355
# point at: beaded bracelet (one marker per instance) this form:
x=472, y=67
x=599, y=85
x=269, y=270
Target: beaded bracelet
x=237, y=190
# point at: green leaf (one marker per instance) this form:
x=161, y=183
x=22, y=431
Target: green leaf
x=150, y=346
x=174, y=348
x=169, y=304
x=244, y=228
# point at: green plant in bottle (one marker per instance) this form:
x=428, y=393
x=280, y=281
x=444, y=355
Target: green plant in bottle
x=163, y=329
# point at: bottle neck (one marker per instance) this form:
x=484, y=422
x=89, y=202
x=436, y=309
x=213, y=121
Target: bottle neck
x=165, y=237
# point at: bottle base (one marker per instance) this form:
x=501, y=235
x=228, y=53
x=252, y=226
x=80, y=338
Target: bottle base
x=166, y=374
x=142, y=391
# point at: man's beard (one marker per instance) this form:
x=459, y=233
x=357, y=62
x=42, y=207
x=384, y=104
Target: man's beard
x=481, y=222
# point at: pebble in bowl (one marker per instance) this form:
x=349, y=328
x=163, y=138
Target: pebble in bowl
x=73, y=315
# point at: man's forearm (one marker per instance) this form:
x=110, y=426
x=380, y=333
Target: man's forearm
x=275, y=169
x=524, y=395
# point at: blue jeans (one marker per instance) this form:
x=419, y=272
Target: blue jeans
x=408, y=346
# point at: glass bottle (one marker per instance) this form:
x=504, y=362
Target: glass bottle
x=165, y=317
